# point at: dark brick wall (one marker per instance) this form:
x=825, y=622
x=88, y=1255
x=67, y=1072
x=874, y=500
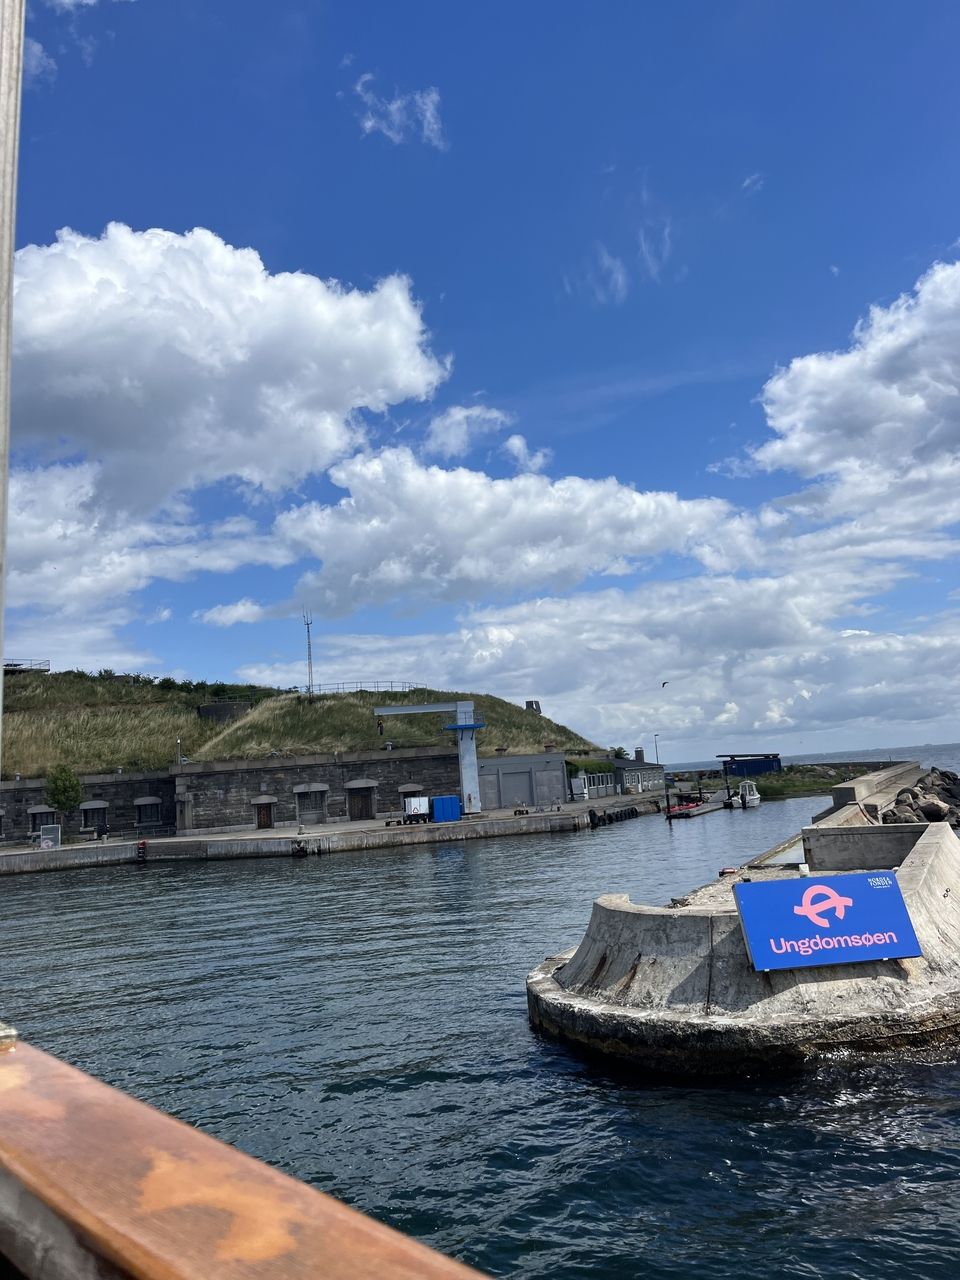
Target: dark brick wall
x=225, y=794
x=119, y=790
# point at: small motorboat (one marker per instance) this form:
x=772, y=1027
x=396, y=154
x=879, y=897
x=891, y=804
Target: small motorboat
x=748, y=795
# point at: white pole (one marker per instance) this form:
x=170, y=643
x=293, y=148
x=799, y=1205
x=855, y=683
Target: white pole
x=11, y=71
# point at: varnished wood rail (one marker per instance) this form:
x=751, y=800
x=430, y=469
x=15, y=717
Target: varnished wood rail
x=95, y=1185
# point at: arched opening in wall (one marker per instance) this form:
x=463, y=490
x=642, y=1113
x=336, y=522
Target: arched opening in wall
x=361, y=799
x=311, y=798
x=263, y=811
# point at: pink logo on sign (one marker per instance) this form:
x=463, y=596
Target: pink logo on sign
x=820, y=897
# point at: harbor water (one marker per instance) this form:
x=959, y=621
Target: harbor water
x=359, y=1021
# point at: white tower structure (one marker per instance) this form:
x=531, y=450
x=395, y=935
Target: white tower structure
x=465, y=727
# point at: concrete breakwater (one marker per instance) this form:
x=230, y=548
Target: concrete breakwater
x=317, y=841
x=674, y=989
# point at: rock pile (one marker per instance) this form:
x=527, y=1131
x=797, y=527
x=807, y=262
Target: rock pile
x=934, y=798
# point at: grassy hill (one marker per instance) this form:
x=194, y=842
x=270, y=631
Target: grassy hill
x=294, y=724
x=97, y=723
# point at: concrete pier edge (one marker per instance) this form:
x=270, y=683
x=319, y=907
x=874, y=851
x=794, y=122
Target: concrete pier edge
x=346, y=840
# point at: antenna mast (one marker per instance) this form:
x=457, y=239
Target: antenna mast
x=308, y=622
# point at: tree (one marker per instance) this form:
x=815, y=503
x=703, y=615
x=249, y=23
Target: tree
x=619, y=753
x=64, y=789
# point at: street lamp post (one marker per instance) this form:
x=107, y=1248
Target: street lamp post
x=656, y=747
x=179, y=757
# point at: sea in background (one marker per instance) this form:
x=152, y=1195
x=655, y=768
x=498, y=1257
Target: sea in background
x=359, y=1021
x=942, y=755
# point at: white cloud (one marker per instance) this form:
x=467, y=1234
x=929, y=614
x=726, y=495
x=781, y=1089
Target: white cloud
x=38, y=66
x=68, y=549
x=834, y=269
x=151, y=364
x=453, y=433
x=411, y=532
x=517, y=448
x=596, y=660
x=878, y=425
x=178, y=361
x=752, y=184
x=226, y=615
x=403, y=116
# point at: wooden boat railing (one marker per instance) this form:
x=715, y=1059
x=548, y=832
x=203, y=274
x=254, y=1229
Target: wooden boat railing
x=95, y=1185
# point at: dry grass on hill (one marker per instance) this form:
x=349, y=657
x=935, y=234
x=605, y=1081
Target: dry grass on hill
x=99, y=739
x=296, y=725
x=97, y=724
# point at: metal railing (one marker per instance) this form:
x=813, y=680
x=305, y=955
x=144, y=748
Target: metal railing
x=358, y=686
x=12, y=665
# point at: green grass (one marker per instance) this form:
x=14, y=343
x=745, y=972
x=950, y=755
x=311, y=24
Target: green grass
x=294, y=724
x=99, y=723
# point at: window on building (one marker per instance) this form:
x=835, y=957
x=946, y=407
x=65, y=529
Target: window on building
x=148, y=813
x=309, y=803
x=45, y=819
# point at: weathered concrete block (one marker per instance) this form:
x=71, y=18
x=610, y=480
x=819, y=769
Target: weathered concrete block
x=674, y=989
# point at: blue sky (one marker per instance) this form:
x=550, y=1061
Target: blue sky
x=544, y=411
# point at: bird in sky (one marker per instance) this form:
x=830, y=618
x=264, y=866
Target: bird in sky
x=664, y=684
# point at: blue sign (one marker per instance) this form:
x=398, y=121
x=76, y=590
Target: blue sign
x=807, y=920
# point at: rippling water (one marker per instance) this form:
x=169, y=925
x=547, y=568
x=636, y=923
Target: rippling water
x=360, y=1021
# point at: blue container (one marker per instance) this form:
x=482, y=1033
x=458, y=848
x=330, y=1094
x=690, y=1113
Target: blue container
x=445, y=808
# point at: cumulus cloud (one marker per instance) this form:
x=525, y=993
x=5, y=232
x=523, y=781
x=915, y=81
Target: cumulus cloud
x=178, y=361
x=68, y=550
x=877, y=426
x=453, y=433
x=38, y=66
x=758, y=644
x=414, y=532
x=525, y=458
x=402, y=117
x=150, y=365
x=753, y=665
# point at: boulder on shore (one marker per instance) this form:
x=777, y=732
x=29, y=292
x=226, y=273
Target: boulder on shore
x=934, y=798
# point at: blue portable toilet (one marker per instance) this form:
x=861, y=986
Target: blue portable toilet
x=445, y=808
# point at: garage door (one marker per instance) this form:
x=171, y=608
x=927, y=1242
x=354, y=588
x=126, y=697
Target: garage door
x=516, y=788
